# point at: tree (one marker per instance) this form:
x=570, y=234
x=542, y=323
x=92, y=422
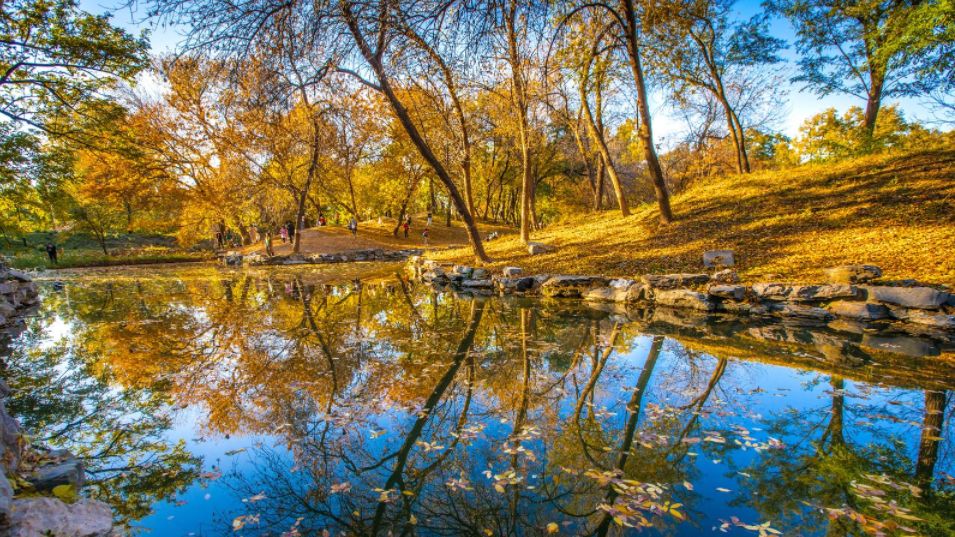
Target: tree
x=624, y=19
x=858, y=47
x=696, y=46
x=54, y=56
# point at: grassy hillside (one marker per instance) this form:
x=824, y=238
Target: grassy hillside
x=896, y=211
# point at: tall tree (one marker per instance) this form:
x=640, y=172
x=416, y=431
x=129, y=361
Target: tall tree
x=852, y=46
x=624, y=18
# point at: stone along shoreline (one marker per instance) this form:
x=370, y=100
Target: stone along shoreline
x=40, y=492
x=854, y=299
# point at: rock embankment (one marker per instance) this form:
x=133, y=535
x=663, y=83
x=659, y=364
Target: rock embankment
x=36, y=480
x=18, y=295
x=854, y=294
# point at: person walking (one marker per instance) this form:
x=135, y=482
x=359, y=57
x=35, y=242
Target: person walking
x=268, y=242
x=51, y=252
x=283, y=233
x=407, y=226
x=290, y=229
x=425, y=235
x=353, y=226
x=429, y=218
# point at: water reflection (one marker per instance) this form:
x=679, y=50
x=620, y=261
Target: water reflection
x=296, y=403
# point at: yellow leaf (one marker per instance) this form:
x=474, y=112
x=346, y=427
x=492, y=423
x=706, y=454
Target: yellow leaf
x=67, y=493
x=553, y=527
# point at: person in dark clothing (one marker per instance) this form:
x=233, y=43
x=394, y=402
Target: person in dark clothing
x=407, y=225
x=51, y=252
x=291, y=230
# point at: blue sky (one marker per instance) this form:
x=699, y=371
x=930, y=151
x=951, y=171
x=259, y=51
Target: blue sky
x=799, y=105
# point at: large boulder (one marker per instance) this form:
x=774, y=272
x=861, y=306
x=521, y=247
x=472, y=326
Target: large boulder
x=683, y=298
x=6, y=502
x=801, y=311
x=673, y=281
x=605, y=294
x=860, y=311
x=477, y=283
x=719, y=258
x=571, y=286
x=43, y=517
x=925, y=298
x=19, y=275
x=731, y=292
x=803, y=293
x=516, y=285
x=853, y=273
x=65, y=469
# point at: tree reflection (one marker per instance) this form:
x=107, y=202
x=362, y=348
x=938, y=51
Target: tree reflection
x=391, y=408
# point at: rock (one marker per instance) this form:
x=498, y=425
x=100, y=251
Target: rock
x=232, y=259
x=800, y=311
x=725, y=276
x=6, y=501
x=639, y=292
x=606, y=294
x=860, y=311
x=463, y=270
x=925, y=298
x=477, y=283
x=733, y=292
x=803, y=293
x=621, y=283
x=519, y=285
x=672, y=281
x=571, y=286
x=735, y=307
x=18, y=275
x=480, y=274
x=683, y=298
x=67, y=472
x=6, y=309
x=719, y=258
x=535, y=248
x=512, y=272
x=10, y=445
x=935, y=320
x=42, y=517
x=853, y=273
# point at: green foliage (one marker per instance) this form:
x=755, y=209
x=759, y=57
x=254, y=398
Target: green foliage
x=831, y=136
x=56, y=56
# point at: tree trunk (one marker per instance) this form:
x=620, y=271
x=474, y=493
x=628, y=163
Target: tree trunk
x=599, y=192
x=404, y=118
x=643, y=110
x=873, y=104
x=934, y=418
x=605, y=157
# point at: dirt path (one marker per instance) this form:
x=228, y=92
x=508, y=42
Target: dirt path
x=371, y=234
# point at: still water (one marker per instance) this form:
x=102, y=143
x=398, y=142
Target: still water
x=349, y=401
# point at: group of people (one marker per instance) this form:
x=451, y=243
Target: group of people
x=425, y=234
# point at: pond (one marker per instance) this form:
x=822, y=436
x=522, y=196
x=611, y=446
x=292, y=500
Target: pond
x=350, y=401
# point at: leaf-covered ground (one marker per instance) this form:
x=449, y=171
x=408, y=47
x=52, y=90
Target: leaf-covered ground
x=896, y=211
